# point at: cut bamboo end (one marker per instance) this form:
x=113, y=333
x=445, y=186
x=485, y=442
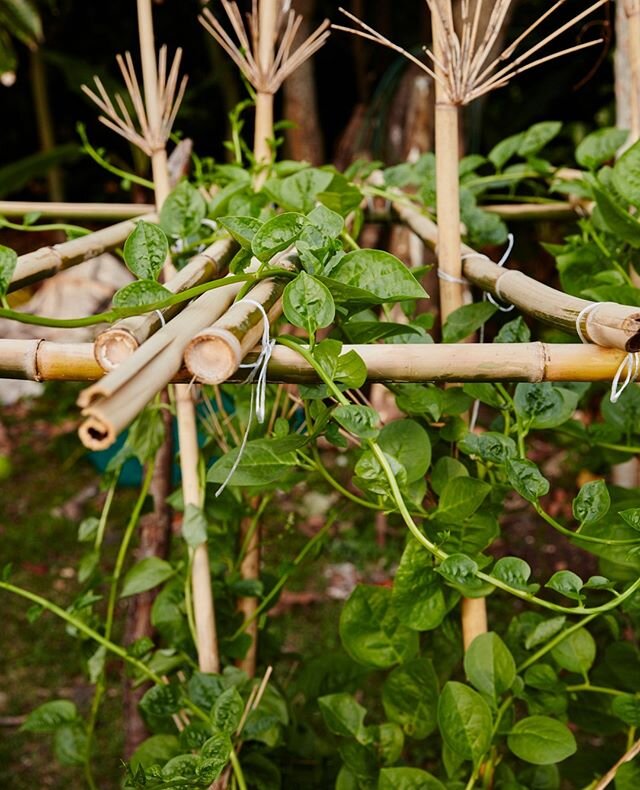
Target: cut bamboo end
x=213, y=356
x=113, y=347
x=96, y=434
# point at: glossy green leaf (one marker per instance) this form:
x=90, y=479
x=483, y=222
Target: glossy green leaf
x=592, y=503
x=514, y=572
x=50, y=716
x=466, y=320
x=631, y=517
x=600, y=147
x=361, y=421
x=146, y=250
x=566, y=583
x=489, y=665
x=243, y=229
x=576, y=653
x=541, y=740
x=537, y=136
x=461, y=498
x=544, y=405
x=618, y=221
x=342, y=714
x=8, y=261
x=515, y=331
x=627, y=708
x=544, y=631
x=182, y=211
x=408, y=442
x=308, y=303
x=140, y=293
x=492, y=447
x=299, y=192
x=277, y=235
x=418, y=597
x=145, y=575
x=460, y=571
x=328, y=222
x=227, y=711
x=410, y=697
x=378, y=273
x=263, y=462
x=626, y=175
x=464, y=719
x=407, y=779
x=371, y=632
x=162, y=701
x=156, y=750
x=505, y=150
x=526, y=479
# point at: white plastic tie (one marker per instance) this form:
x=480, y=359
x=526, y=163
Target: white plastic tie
x=630, y=365
x=161, y=317
x=501, y=263
x=449, y=278
x=257, y=404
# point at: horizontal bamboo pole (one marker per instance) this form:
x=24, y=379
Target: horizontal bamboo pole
x=539, y=211
x=46, y=261
x=215, y=354
x=610, y=325
x=119, y=341
x=18, y=208
x=112, y=403
x=41, y=360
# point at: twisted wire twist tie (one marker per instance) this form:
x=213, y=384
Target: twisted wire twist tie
x=630, y=365
x=257, y=405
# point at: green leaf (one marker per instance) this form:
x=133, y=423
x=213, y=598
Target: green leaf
x=243, y=229
x=515, y=331
x=8, y=261
x=514, y=572
x=328, y=222
x=21, y=19
x=617, y=219
x=407, y=442
x=418, y=597
x=410, y=697
x=444, y=470
x=308, y=303
x=460, y=498
x=566, y=583
x=541, y=740
x=263, y=462
x=460, y=571
x=360, y=421
x=465, y=721
x=489, y=665
x=627, y=708
x=276, y=235
x=626, y=175
x=600, y=147
x=495, y=448
x=183, y=211
x=146, y=250
x=300, y=191
x=544, y=631
x=631, y=517
x=378, y=273
x=139, y=293
x=371, y=632
x=576, y=653
x=50, y=716
x=465, y=320
x=145, y=575
x=526, y=479
x=204, y=689
x=156, y=750
x=407, y=779
x=628, y=776
x=537, y=136
x=161, y=701
x=592, y=503
x=70, y=743
x=194, y=526
x=544, y=405
x=504, y=150
x=227, y=711
x=343, y=715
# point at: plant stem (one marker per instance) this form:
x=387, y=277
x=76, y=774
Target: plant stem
x=555, y=641
x=585, y=538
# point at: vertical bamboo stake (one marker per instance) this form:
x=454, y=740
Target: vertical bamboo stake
x=632, y=11
x=204, y=614
x=449, y=250
x=267, y=31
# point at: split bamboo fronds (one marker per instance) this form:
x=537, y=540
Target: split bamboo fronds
x=112, y=403
x=46, y=261
x=18, y=208
x=41, y=360
x=607, y=324
x=121, y=340
x=215, y=353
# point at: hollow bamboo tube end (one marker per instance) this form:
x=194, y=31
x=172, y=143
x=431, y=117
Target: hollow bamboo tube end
x=114, y=346
x=95, y=434
x=213, y=356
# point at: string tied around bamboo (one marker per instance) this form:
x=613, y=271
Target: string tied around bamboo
x=257, y=404
x=630, y=365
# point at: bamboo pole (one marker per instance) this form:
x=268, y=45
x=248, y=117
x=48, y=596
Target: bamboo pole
x=607, y=324
x=268, y=14
x=517, y=212
x=46, y=261
x=121, y=340
x=632, y=11
x=42, y=360
x=215, y=353
x=18, y=208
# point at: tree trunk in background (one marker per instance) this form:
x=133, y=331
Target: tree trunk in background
x=305, y=140
x=155, y=536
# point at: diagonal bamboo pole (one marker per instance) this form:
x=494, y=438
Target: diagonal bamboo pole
x=46, y=261
x=43, y=360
